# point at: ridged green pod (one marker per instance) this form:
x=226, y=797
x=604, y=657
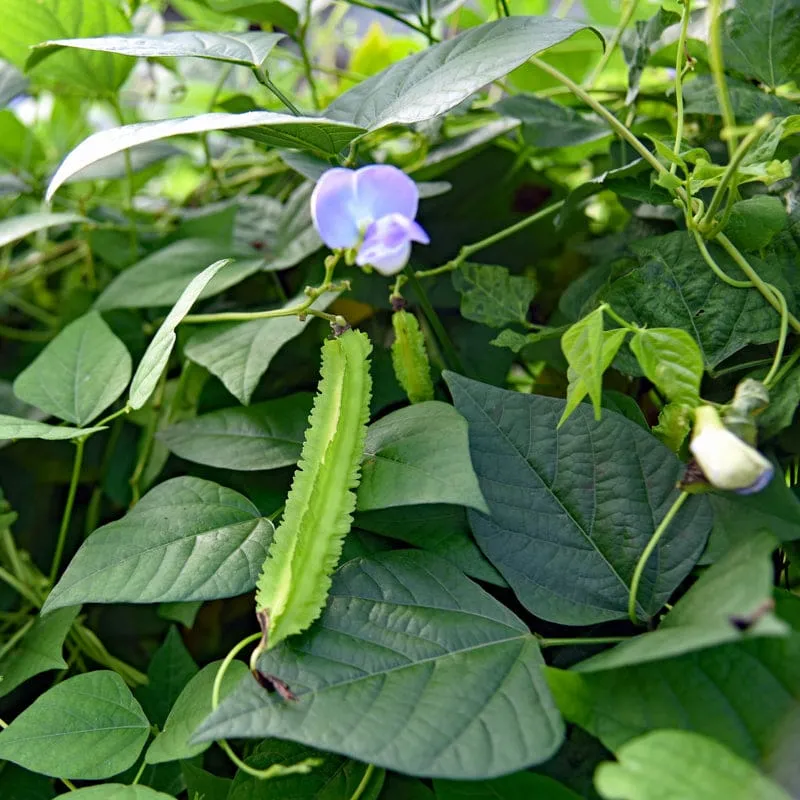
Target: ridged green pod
x=410, y=359
x=295, y=579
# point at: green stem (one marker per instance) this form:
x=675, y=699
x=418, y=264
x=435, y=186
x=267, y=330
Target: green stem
x=129, y=182
x=449, y=350
x=771, y=376
x=503, y=8
x=213, y=172
x=264, y=79
x=621, y=321
x=715, y=268
x=308, y=70
x=641, y=565
x=67, y=516
x=730, y=171
x=88, y=641
x=687, y=6
x=12, y=640
x=19, y=587
x=718, y=71
x=628, y=10
x=470, y=249
x=139, y=774
x=620, y=129
x=362, y=787
x=387, y=12
x=581, y=641
x=146, y=441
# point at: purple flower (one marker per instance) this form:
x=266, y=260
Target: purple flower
x=372, y=209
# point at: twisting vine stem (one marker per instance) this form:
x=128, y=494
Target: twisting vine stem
x=687, y=7
x=718, y=72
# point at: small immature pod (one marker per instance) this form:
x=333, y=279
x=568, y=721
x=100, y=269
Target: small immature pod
x=295, y=578
x=410, y=359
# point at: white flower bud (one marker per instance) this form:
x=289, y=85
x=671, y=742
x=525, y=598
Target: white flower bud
x=726, y=460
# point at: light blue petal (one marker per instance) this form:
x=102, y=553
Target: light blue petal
x=387, y=243
x=332, y=208
x=760, y=483
x=382, y=189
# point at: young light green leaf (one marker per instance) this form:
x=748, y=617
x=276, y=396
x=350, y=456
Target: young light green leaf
x=118, y=791
x=15, y=228
x=79, y=374
x=671, y=359
x=239, y=353
x=27, y=24
x=306, y=547
x=89, y=727
x=582, y=345
x=161, y=277
x=327, y=136
x=39, y=650
x=418, y=454
x=432, y=82
x=679, y=764
x=674, y=423
x=264, y=436
x=158, y=352
x=191, y=708
x=249, y=48
x=187, y=539
x=726, y=604
x=410, y=358
x=492, y=296
x=18, y=428
x=556, y=507
x=456, y=676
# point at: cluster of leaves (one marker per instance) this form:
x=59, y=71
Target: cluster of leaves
x=527, y=601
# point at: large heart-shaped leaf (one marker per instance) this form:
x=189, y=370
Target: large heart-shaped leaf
x=79, y=374
x=157, y=355
x=15, y=228
x=432, y=82
x=160, y=277
x=88, y=727
x=187, y=539
x=263, y=436
x=239, y=353
x=411, y=667
x=250, y=48
x=277, y=130
x=679, y=764
x=26, y=24
x=572, y=508
x=419, y=454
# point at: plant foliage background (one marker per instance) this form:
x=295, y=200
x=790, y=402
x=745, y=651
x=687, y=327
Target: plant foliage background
x=538, y=593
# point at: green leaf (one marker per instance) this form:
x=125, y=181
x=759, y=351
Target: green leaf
x=401, y=787
x=667, y=765
x=79, y=374
x=191, y=707
x=239, y=353
x=432, y=82
x=418, y=454
x=250, y=48
x=784, y=398
x=731, y=595
x=335, y=778
x=557, y=510
x=748, y=101
x=754, y=222
x=187, y=539
x=327, y=136
x=160, y=278
x=674, y=423
x=89, y=727
x=582, y=344
x=517, y=341
x=511, y=787
x=26, y=24
x=264, y=436
x=491, y=296
x=720, y=318
x=742, y=694
x=170, y=669
x=205, y=784
x=639, y=43
x=548, y=124
x=414, y=668
x=155, y=358
x=24, y=785
x=17, y=428
x=118, y=791
x=440, y=529
x=19, y=149
x=15, y=228
x=761, y=39
x=671, y=359
x=38, y=651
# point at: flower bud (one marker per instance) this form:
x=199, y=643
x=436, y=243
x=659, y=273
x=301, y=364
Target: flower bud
x=726, y=460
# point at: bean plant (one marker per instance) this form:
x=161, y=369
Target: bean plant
x=398, y=399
